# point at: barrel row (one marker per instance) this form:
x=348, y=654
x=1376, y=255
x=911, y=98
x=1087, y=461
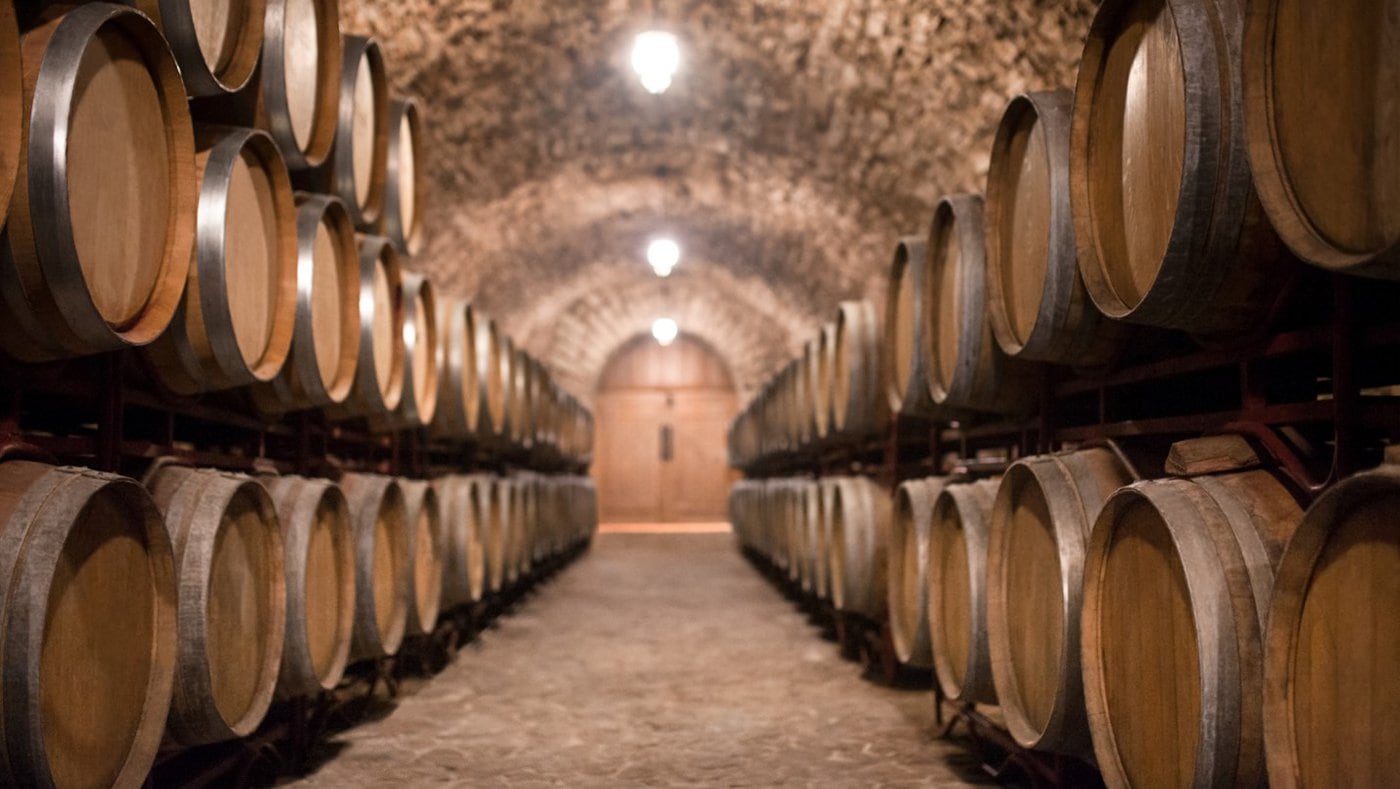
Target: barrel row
x=1203, y=627
x=182, y=607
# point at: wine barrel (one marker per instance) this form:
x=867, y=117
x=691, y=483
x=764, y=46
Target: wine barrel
x=812, y=513
x=232, y=604
x=360, y=156
x=383, y=564
x=497, y=528
x=459, y=400
x=957, y=591
x=320, y=581
x=824, y=392
x=521, y=405
x=1040, y=525
x=1319, y=133
x=216, y=44
x=234, y=325
x=505, y=357
x=88, y=643
x=298, y=99
x=326, y=330
x=403, y=193
x=1331, y=692
x=857, y=406
x=860, y=512
x=906, y=379
x=426, y=546
x=1168, y=227
x=1175, y=696
x=908, y=570
x=490, y=367
x=11, y=106
x=541, y=399
x=379, y=370
x=105, y=105
x=465, y=501
x=419, y=399
x=966, y=369
x=1035, y=294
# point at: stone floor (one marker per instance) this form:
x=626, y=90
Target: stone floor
x=655, y=660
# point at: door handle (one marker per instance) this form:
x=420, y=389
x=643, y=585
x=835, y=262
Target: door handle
x=665, y=443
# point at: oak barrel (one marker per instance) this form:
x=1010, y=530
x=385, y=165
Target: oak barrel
x=906, y=379
x=383, y=564
x=1326, y=160
x=298, y=98
x=11, y=106
x=1331, y=691
x=319, y=558
x=491, y=418
x=426, y=546
x=522, y=405
x=459, y=389
x=418, y=401
x=324, y=355
x=966, y=369
x=1040, y=522
x=908, y=569
x=824, y=384
x=360, y=156
x=859, y=546
x=217, y=44
x=235, y=323
x=104, y=105
x=1168, y=227
x=812, y=515
x=497, y=526
x=403, y=193
x=1036, y=299
x=957, y=590
x=1176, y=588
x=379, y=371
x=86, y=562
x=465, y=508
x=232, y=606
x=858, y=406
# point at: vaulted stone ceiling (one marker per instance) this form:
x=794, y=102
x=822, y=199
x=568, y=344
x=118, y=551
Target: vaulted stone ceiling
x=798, y=141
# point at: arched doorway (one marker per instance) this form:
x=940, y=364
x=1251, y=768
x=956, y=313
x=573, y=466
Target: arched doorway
x=662, y=413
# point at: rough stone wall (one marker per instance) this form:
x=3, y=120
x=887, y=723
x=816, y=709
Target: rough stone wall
x=798, y=141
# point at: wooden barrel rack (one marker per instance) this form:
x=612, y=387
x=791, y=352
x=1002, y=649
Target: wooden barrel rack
x=1308, y=383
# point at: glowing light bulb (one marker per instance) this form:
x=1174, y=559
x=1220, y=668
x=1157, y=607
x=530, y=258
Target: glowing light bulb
x=655, y=57
x=663, y=254
x=665, y=330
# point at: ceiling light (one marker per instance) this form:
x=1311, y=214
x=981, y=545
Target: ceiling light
x=655, y=58
x=663, y=254
x=665, y=330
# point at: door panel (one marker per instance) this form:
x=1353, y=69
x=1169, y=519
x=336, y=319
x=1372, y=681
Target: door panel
x=697, y=479
x=626, y=455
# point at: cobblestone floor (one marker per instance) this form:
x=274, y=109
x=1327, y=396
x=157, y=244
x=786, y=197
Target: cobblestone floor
x=655, y=660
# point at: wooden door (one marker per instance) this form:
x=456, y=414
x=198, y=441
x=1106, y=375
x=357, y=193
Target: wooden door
x=660, y=455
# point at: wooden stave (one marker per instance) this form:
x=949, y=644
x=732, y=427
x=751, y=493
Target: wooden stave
x=409, y=240
x=1292, y=583
x=859, y=409
x=368, y=495
x=297, y=500
x=859, y=554
x=973, y=502
x=1227, y=299
x=300, y=386
x=176, y=23
x=272, y=112
x=189, y=498
x=420, y=495
x=1072, y=516
x=1275, y=189
x=198, y=352
x=1069, y=328
x=342, y=175
x=1229, y=554
x=11, y=107
x=984, y=379
x=909, y=522
x=365, y=397
x=53, y=500
x=49, y=312
x=912, y=399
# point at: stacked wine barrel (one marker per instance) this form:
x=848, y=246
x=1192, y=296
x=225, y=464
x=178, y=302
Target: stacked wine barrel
x=1209, y=622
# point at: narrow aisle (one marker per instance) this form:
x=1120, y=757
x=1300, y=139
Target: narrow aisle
x=655, y=660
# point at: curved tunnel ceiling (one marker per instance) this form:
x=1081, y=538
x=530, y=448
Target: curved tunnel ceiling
x=797, y=142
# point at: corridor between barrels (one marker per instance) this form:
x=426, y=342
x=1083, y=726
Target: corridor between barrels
x=657, y=659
